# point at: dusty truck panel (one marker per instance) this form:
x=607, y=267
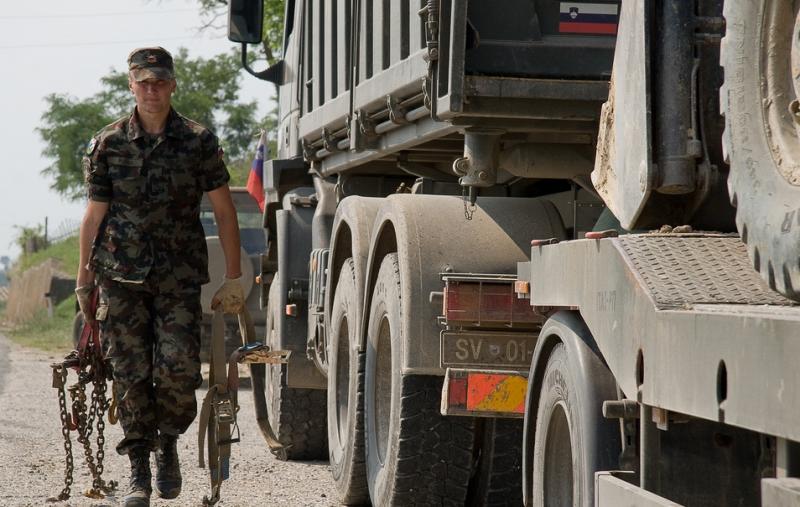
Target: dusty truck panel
x=409, y=65
x=519, y=258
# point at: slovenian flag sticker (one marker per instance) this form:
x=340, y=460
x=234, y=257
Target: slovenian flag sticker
x=588, y=18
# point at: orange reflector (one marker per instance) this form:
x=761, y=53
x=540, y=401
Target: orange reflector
x=485, y=393
x=496, y=393
x=291, y=310
x=522, y=287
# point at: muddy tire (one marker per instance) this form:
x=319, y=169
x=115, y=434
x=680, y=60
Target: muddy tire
x=414, y=455
x=346, y=392
x=762, y=135
x=497, y=479
x=297, y=416
x=572, y=441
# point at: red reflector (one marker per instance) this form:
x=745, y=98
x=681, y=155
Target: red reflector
x=486, y=303
x=457, y=392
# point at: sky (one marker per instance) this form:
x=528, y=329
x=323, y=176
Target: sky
x=52, y=46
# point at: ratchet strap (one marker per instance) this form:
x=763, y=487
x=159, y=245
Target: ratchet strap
x=257, y=355
x=217, y=414
x=217, y=420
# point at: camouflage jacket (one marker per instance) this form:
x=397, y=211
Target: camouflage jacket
x=153, y=185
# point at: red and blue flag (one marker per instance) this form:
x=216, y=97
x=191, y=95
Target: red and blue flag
x=255, y=180
x=588, y=18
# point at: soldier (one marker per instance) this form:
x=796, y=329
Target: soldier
x=142, y=242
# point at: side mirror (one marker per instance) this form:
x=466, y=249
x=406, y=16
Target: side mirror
x=245, y=21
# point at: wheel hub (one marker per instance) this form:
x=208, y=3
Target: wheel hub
x=383, y=388
x=780, y=63
x=342, y=382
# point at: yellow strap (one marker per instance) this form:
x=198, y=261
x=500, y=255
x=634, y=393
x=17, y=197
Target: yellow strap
x=205, y=416
x=113, y=417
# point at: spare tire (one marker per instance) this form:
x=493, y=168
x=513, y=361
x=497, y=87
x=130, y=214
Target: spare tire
x=761, y=55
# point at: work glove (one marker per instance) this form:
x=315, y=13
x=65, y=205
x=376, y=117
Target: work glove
x=84, y=295
x=230, y=296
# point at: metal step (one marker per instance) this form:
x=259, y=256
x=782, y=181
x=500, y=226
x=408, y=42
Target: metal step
x=680, y=271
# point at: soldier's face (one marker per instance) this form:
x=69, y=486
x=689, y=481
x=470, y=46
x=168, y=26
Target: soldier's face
x=153, y=95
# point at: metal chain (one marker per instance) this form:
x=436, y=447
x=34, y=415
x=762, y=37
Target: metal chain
x=85, y=427
x=103, y=403
x=83, y=421
x=469, y=209
x=59, y=379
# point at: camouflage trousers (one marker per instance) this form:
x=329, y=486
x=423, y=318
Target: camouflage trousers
x=151, y=335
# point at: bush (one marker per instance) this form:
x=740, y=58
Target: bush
x=66, y=252
x=51, y=334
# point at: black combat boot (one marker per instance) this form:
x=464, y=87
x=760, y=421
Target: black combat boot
x=139, y=493
x=168, y=470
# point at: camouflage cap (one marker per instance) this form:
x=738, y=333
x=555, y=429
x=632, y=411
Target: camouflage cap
x=151, y=63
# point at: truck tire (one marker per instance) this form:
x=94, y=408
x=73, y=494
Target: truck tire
x=571, y=440
x=762, y=135
x=497, y=479
x=346, y=392
x=297, y=416
x=414, y=455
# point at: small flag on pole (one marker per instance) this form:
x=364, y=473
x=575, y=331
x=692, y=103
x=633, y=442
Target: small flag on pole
x=255, y=180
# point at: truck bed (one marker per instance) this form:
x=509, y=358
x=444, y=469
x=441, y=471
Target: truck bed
x=383, y=67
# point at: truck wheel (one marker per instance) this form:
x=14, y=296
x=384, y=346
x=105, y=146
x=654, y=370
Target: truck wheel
x=572, y=440
x=498, y=475
x=346, y=392
x=761, y=56
x=414, y=455
x=297, y=416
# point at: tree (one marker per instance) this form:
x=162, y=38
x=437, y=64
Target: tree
x=30, y=239
x=270, y=49
x=208, y=92
x=273, y=24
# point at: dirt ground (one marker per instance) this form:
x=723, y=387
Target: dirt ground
x=32, y=453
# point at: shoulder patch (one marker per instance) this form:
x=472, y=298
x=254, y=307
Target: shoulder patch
x=91, y=146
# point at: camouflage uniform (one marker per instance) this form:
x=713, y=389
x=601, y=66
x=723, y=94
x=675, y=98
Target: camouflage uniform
x=150, y=259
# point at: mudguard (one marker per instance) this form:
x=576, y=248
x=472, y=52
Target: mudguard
x=294, y=248
x=591, y=373
x=352, y=225
x=431, y=236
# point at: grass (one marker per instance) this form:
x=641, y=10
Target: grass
x=43, y=332
x=65, y=252
x=50, y=334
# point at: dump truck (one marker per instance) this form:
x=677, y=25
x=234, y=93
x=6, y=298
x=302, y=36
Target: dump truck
x=535, y=251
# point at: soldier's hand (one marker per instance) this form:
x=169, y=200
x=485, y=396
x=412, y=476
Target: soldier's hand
x=229, y=296
x=84, y=295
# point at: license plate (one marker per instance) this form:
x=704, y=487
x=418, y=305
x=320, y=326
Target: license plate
x=487, y=349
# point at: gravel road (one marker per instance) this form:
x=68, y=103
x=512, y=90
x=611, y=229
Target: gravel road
x=32, y=454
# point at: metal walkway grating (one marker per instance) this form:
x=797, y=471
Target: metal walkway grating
x=684, y=270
